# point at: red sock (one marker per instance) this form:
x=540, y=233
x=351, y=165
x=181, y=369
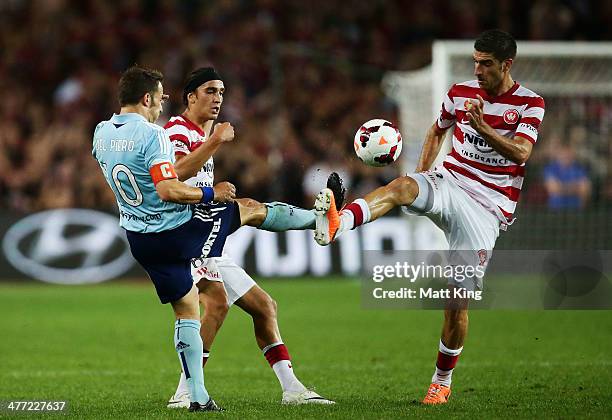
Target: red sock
x=280, y=362
x=446, y=361
x=355, y=214
x=276, y=353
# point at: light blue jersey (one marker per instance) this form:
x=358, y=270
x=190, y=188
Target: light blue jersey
x=126, y=147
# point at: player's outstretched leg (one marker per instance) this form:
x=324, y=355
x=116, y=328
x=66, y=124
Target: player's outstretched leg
x=454, y=332
x=188, y=345
x=262, y=308
x=281, y=217
x=331, y=223
x=274, y=216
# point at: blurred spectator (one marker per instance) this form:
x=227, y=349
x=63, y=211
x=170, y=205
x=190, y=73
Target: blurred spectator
x=566, y=181
x=300, y=80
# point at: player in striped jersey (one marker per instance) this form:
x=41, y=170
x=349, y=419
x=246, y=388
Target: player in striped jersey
x=194, y=148
x=473, y=194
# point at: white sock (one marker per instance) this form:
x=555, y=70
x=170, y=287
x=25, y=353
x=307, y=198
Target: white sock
x=442, y=377
x=346, y=222
x=353, y=215
x=278, y=356
x=286, y=377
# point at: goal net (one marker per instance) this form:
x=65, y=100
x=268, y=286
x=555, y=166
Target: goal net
x=566, y=201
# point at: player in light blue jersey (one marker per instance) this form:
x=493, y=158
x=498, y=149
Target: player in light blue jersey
x=127, y=146
x=137, y=158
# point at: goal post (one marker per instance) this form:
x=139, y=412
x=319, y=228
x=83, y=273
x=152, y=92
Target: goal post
x=575, y=79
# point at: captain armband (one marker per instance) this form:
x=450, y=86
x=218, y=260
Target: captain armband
x=162, y=171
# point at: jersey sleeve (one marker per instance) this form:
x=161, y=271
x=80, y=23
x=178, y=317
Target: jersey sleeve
x=95, y=140
x=531, y=119
x=179, y=137
x=447, y=112
x=158, y=148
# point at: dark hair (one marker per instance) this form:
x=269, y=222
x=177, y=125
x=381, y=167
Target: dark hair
x=497, y=42
x=197, y=78
x=137, y=81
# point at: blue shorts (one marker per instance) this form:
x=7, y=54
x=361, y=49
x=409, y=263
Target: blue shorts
x=166, y=256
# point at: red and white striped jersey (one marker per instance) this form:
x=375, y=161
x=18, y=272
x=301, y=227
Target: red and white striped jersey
x=488, y=177
x=186, y=136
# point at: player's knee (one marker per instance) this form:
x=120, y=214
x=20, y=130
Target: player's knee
x=252, y=212
x=187, y=307
x=249, y=204
x=272, y=307
x=403, y=190
x=221, y=310
x=456, y=318
x=267, y=308
x=216, y=309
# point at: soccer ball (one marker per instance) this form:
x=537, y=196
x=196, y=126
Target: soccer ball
x=378, y=143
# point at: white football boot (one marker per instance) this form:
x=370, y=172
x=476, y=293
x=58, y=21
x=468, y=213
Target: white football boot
x=304, y=397
x=181, y=400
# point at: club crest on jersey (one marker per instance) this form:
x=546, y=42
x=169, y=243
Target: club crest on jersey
x=482, y=257
x=511, y=116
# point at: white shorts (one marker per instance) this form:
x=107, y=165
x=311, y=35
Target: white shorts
x=223, y=269
x=468, y=226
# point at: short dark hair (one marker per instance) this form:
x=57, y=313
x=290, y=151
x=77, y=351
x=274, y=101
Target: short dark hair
x=497, y=42
x=137, y=81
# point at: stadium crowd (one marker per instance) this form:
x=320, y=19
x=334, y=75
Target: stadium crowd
x=300, y=80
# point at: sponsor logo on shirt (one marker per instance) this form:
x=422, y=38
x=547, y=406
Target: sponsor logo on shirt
x=530, y=127
x=145, y=219
x=478, y=142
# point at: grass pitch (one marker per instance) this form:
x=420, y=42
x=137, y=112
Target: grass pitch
x=107, y=349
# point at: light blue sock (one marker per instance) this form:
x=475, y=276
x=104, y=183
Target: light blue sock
x=188, y=344
x=282, y=217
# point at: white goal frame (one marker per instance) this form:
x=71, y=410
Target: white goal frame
x=419, y=93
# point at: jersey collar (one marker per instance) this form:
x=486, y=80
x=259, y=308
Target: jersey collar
x=129, y=116
x=507, y=93
x=193, y=125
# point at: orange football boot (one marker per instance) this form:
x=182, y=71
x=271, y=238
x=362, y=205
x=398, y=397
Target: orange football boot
x=437, y=394
x=327, y=217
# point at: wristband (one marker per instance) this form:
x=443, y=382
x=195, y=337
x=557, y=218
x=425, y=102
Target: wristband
x=208, y=194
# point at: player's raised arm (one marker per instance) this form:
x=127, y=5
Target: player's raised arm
x=437, y=132
x=169, y=188
x=187, y=166
x=431, y=147
x=178, y=192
